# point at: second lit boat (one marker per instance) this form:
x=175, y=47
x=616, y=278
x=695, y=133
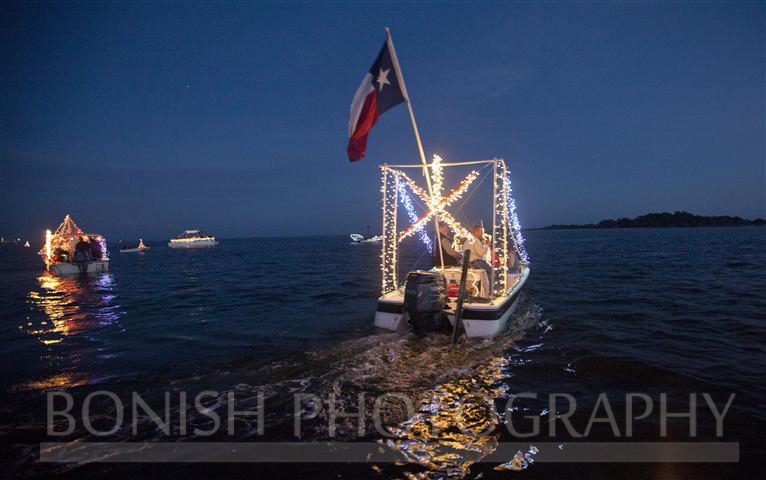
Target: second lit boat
x=193, y=239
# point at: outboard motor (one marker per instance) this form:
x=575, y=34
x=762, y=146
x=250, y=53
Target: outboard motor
x=425, y=295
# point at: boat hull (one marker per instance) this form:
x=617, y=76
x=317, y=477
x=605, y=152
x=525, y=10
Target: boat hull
x=476, y=323
x=193, y=244
x=131, y=250
x=74, y=269
x=356, y=238
x=479, y=320
x=479, y=327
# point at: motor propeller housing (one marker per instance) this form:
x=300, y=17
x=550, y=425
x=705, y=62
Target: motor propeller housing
x=425, y=296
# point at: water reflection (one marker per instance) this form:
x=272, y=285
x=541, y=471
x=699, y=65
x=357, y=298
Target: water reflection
x=453, y=388
x=456, y=424
x=72, y=305
x=74, y=309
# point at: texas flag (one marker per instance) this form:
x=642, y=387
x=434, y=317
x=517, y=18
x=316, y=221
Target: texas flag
x=379, y=91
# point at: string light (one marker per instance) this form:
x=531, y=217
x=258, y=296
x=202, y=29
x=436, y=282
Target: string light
x=389, y=250
x=394, y=183
x=436, y=176
x=47, y=249
x=437, y=205
x=517, y=235
x=453, y=224
x=64, y=235
x=500, y=268
x=407, y=202
x=102, y=245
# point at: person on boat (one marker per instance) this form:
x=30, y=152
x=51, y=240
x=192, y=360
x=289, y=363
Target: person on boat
x=82, y=246
x=451, y=257
x=81, y=251
x=95, y=249
x=477, y=245
x=60, y=254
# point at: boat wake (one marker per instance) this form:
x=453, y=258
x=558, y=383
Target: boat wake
x=448, y=422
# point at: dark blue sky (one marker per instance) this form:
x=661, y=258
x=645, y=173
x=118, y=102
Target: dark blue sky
x=145, y=119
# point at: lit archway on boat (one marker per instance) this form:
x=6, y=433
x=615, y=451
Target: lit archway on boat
x=506, y=229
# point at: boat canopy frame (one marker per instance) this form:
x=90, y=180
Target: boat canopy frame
x=506, y=235
x=68, y=229
x=192, y=235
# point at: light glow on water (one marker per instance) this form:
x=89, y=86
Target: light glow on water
x=71, y=306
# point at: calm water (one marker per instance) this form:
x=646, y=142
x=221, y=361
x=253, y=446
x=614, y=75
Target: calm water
x=674, y=311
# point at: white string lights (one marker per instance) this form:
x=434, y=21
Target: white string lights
x=388, y=254
x=516, y=226
x=501, y=244
x=47, y=249
x=410, y=208
x=437, y=178
x=65, y=236
x=438, y=204
x=507, y=232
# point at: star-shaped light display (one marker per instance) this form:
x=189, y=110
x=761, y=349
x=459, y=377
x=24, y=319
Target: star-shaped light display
x=437, y=202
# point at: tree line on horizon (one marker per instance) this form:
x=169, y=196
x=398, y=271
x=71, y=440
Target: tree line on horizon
x=665, y=219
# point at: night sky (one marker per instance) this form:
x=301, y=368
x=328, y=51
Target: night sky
x=146, y=119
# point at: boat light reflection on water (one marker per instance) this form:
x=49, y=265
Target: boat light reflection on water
x=71, y=306
x=456, y=424
x=453, y=426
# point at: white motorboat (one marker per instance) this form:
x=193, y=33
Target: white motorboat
x=426, y=299
x=26, y=244
x=193, y=239
x=140, y=248
x=369, y=238
x=70, y=251
x=357, y=238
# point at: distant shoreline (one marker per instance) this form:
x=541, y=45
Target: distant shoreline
x=663, y=220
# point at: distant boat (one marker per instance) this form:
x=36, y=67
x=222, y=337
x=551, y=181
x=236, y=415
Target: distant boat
x=140, y=248
x=27, y=244
x=369, y=238
x=357, y=238
x=193, y=239
x=60, y=251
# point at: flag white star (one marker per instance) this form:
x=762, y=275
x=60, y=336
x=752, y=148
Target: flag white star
x=383, y=78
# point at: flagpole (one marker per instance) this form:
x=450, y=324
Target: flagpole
x=400, y=78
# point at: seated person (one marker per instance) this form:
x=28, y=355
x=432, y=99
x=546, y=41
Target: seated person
x=60, y=255
x=81, y=254
x=479, y=249
x=451, y=257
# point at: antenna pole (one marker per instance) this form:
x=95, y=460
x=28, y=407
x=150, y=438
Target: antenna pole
x=400, y=77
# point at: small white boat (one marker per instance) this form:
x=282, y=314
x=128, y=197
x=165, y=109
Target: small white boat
x=357, y=238
x=65, y=254
x=193, y=239
x=26, y=244
x=140, y=248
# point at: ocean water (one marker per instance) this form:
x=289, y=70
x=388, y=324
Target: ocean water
x=652, y=311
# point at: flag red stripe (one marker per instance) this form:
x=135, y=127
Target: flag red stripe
x=357, y=144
